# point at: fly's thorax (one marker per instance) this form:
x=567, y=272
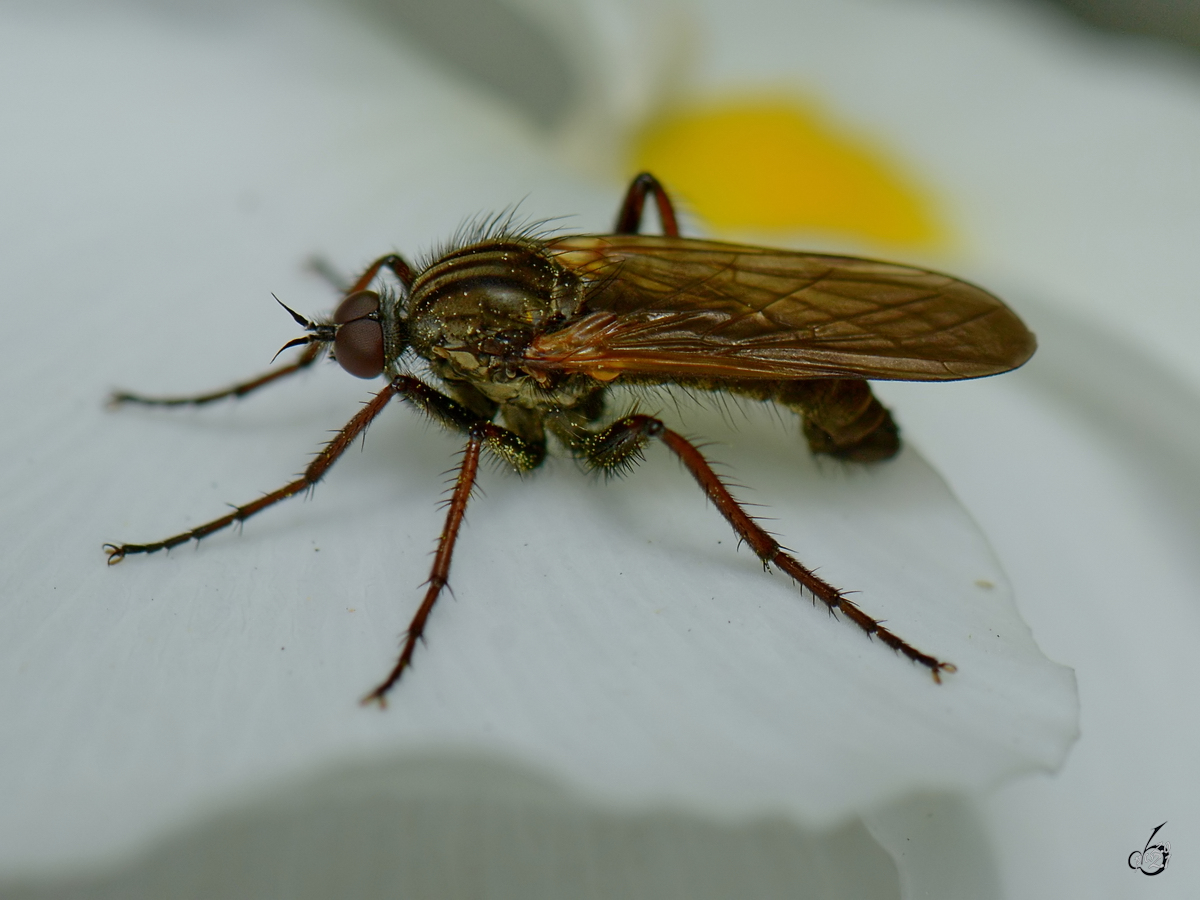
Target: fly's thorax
x=563, y=392
x=473, y=312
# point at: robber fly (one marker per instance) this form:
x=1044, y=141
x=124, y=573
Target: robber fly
x=524, y=335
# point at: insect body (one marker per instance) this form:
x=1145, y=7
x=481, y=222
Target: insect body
x=525, y=336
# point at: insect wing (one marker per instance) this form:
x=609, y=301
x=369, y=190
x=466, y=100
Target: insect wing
x=678, y=308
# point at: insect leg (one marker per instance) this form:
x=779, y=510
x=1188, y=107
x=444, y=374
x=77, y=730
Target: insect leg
x=315, y=471
x=622, y=441
x=519, y=452
x=394, y=261
x=629, y=219
x=440, y=573
x=310, y=355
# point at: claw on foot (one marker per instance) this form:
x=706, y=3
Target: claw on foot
x=374, y=697
x=948, y=668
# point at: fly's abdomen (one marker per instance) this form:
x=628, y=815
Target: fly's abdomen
x=842, y=418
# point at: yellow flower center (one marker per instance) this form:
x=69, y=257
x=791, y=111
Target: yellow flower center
x=774, y=165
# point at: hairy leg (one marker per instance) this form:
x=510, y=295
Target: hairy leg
x=310, y=355
x=315, y=471
x=621, y=444
x=521, y=453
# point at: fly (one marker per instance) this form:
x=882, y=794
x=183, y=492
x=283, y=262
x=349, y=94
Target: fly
x=524, y=336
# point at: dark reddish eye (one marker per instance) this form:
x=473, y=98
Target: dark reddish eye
x=358, y=346
x=356, y=306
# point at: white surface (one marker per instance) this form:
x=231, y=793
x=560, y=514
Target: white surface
x=151, y=169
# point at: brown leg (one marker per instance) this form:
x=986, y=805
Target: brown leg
x=315, y=471
x=629, y=219
x=522, y=453
x=393, y=261
x=311, y=354
x=441, y=565
x=622, y=442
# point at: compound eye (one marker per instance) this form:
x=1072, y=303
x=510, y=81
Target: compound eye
x=358, y=305
x=358, y=346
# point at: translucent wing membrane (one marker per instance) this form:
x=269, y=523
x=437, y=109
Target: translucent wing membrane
x=675, y=307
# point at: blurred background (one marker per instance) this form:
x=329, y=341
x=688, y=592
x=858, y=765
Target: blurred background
x=1177, y=21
